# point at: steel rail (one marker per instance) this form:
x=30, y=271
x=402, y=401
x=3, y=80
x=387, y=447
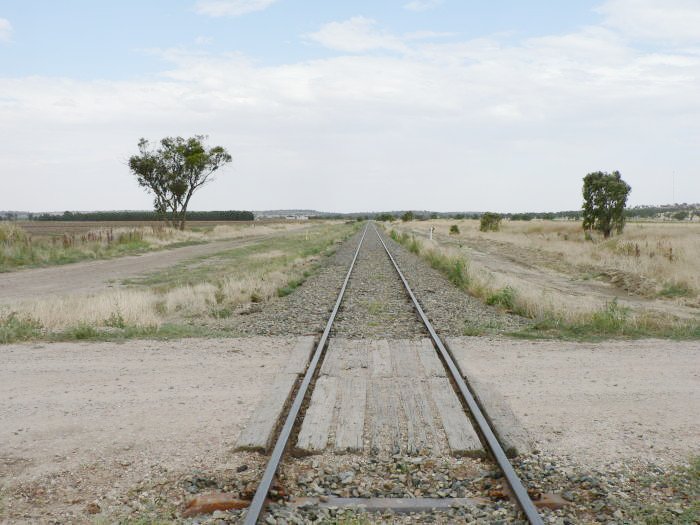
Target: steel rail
x=521, y=495
x=257, y=505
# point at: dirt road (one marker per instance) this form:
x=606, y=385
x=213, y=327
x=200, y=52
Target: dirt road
x=93, y=276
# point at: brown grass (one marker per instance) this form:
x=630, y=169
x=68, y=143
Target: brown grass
x=217, y=285
x=549, y=272
x=648, y=259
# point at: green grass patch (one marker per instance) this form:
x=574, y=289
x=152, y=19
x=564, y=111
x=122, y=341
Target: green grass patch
x=166, y=331
x=503, y=298
x=676, y=289
x=456, y=269
x=278, y=253
x=16, y=328
x=612, y=321
x=289, y=287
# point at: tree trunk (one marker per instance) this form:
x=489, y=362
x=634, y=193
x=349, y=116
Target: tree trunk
x=183, y=211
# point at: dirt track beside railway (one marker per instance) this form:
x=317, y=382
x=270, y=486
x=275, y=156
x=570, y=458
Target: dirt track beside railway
x=94, y=276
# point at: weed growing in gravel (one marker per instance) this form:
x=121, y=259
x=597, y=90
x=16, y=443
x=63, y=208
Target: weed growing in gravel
x=288, y=288
x=684, y=484
x=474, y=329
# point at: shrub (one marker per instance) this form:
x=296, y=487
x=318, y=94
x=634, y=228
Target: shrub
x=289, y=287
x=15, y=328
x=454, y=229
x=503, y=298
x=115, y=320
x=490, y=222
x=414, y=246
x=610, y=320
x=455, y=269
x=82, y=331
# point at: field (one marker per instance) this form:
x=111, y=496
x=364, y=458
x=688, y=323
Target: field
x=140, y=353
x=27, y=244
x=184, y=298
x=556, y=274
x=59, y=228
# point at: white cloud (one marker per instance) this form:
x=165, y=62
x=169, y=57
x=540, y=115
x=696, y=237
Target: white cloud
x=356, y=35
x=437, y=125
x=5, y=30
x=422, y=5
x=203, y=40
x=360, y=35
x=675, y=21
x=231, y=7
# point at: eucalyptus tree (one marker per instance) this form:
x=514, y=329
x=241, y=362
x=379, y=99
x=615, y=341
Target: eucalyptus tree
x=604, y=200
x=173, y=170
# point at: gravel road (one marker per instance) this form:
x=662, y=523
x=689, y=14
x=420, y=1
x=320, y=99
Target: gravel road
x=89, y=422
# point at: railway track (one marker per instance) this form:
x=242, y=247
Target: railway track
x=333, y=366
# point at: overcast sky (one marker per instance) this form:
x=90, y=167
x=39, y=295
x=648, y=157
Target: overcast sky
x=352, y=106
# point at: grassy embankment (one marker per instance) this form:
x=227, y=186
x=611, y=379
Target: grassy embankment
x=652, y=262
x=52, y=245
x=189, y=299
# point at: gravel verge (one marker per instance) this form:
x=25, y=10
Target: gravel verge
x=306, y=310
x=375, y=304
x=449, y=309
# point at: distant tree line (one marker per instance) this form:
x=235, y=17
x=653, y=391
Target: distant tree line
x=231, y=215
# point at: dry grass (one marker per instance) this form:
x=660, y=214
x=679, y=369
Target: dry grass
x=200, y=291
x=19, y=248
x=648, y=259
x=659, y=264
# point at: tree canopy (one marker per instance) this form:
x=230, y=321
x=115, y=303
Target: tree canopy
x=490, y=222
x=174, y=170
x=604, y=201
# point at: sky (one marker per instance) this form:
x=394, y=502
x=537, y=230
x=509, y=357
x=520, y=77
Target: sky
x=446, y=105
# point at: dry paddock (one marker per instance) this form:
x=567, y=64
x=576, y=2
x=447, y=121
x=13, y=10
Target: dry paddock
x=86, y=422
